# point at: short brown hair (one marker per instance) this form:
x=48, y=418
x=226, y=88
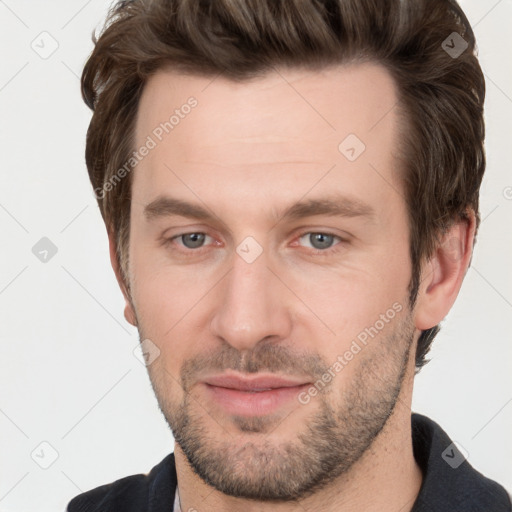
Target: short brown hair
x=441, y=94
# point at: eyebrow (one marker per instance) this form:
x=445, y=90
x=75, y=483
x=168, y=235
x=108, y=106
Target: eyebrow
x=333, y=206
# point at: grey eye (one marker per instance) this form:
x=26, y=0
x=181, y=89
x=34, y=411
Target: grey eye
x=319, y=241
x=193, y=240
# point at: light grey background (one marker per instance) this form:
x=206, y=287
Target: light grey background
x=68, y=373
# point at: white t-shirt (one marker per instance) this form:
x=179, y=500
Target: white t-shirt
x=177, y=505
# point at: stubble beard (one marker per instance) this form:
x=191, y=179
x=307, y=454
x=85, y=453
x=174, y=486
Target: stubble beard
x=326, y=445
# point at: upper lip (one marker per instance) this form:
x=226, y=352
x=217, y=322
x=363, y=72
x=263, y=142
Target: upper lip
x=253, y=383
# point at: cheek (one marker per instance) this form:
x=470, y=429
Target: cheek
x=162, y=293
x=170, y=307
x=349, y=300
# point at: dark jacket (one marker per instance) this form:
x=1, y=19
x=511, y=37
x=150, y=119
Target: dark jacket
x=450, y=483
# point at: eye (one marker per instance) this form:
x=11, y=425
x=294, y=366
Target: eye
x=191, y=240
x=320, y=242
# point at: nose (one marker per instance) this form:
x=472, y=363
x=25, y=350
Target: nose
x=252, y=305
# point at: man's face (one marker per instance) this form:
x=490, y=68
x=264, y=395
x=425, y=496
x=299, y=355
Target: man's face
x=257, y=289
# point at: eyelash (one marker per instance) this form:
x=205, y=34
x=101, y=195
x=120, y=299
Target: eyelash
x=315, y=252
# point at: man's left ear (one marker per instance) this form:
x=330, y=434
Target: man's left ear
x=443, y=273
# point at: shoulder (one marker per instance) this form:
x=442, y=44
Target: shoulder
x=138, y=493
x=449, y=480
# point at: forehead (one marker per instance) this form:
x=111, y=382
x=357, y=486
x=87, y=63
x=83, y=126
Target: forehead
x=268, y=133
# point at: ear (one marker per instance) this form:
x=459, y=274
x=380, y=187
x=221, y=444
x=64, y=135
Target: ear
x=443, y=273
x=129, y=311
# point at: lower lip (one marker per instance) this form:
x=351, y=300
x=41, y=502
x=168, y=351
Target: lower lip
x=257, y=403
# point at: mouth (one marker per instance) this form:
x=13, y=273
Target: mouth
x=253, y=396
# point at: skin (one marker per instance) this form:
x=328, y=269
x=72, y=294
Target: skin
x=247, y=152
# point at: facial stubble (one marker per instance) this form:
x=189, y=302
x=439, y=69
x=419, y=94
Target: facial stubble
x=326, y=445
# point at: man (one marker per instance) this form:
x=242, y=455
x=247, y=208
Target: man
x=290, y=190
